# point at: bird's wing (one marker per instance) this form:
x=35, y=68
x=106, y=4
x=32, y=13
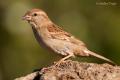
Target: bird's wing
x=58, y=33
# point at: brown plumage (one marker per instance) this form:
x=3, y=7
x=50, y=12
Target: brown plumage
x=50, y=35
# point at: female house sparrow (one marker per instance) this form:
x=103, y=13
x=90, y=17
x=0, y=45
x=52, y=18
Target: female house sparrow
x=53, y=37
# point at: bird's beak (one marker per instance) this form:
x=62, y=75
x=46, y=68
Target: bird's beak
x=26, y=17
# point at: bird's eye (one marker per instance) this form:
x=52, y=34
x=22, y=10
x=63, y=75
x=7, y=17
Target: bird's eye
x=35, y=14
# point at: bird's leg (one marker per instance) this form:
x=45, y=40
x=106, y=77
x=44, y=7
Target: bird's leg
x=63, y=59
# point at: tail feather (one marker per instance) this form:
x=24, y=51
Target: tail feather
x=100, y=57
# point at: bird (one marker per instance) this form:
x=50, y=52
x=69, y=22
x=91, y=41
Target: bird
x=53, y=37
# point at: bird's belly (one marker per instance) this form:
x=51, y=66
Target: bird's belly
x=60, y=47
x=51, y=44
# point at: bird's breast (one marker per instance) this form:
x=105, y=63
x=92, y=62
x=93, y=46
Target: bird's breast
x=39, y=38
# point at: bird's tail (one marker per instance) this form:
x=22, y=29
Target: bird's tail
x=100, y=57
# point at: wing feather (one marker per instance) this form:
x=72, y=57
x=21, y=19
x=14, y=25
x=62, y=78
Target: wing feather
x=58, y=33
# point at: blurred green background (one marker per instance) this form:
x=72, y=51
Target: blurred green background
x=92, y=21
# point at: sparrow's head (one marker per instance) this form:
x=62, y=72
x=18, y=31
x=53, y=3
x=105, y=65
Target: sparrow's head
x=35, y=16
